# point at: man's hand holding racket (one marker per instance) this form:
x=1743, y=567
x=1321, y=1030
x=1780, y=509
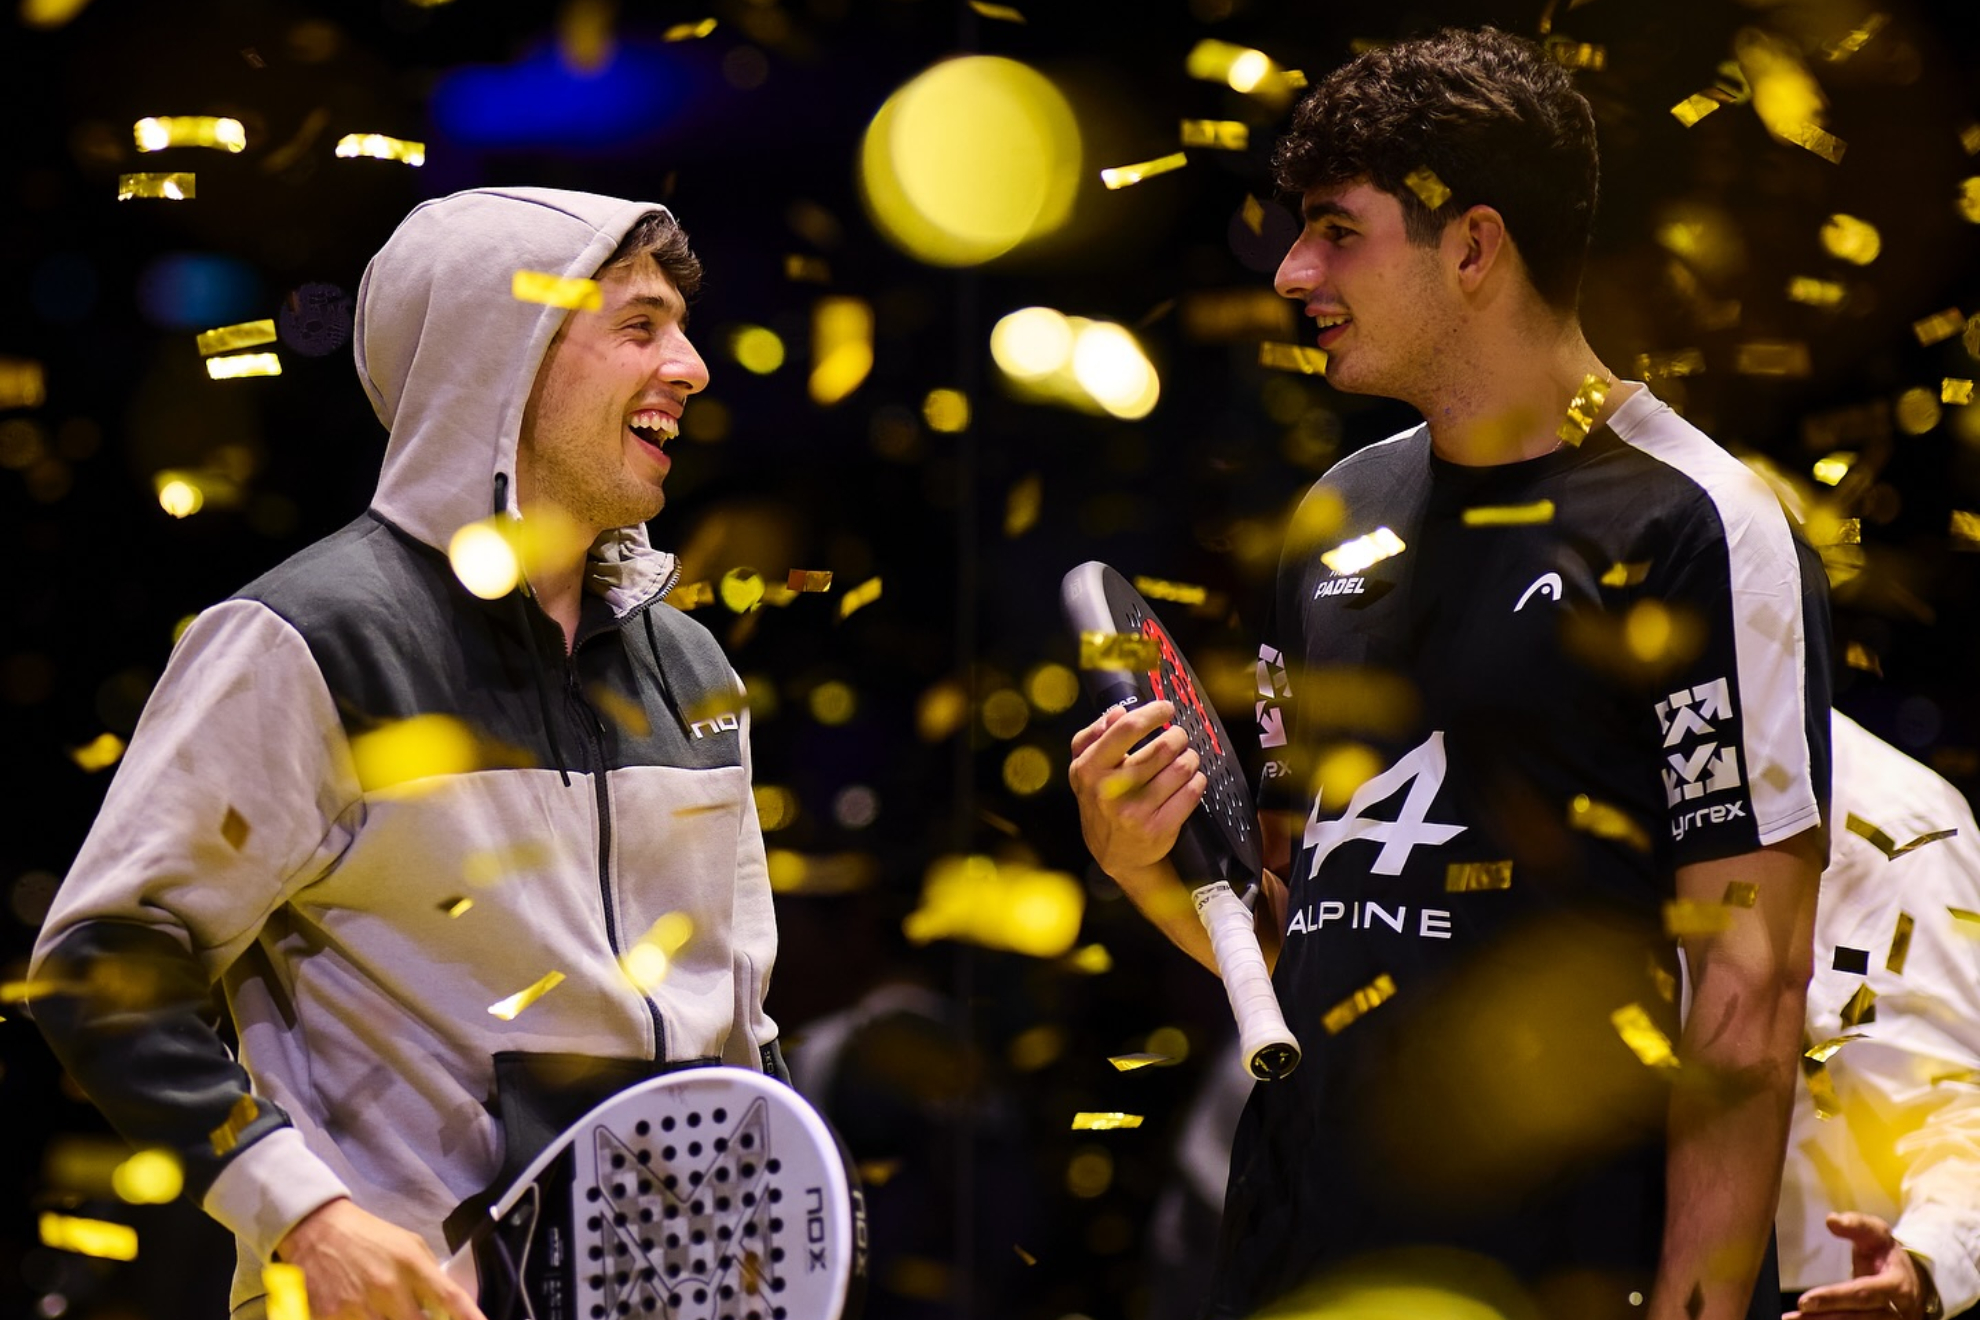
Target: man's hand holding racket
x=1132, y=803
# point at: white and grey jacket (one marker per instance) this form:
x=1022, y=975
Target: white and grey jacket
x=251, y=837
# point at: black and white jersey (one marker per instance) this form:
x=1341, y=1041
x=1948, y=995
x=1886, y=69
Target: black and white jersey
x=1509, y=702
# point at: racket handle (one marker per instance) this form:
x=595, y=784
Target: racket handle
x=1267, y=1047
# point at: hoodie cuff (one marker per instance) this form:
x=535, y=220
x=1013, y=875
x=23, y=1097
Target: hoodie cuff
x=269, y=1188
x=1955, y=1262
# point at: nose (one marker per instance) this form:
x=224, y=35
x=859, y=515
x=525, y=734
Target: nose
x=1299, y=272
x=681, y=366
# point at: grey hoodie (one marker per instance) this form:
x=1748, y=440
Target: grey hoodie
x=249, y=838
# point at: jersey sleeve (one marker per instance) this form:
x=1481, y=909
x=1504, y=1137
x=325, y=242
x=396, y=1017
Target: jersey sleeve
x=1742, y=726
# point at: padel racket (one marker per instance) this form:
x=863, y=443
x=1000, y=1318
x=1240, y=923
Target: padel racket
x=1217, y=854
x=706, y=1194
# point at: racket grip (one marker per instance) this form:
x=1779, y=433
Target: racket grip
x=1268, y=1049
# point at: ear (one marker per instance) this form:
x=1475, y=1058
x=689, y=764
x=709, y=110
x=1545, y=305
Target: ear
x=1478, y=241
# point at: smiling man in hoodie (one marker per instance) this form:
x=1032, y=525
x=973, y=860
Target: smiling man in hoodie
x=391, y=1069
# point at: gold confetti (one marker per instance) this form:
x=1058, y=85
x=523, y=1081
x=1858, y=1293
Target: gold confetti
x=1827, y=1049
x=1123, y=176
x=1821, y=1089
x=1351, y=557
x=234, y=829
x=1115, y=650
x=878, y=1173
x=1954, y=390
x=230, y=337
x=1883, y=842
x=1646, y=1041
x=455, y=907
x=1965, y=530
x=692, y=596
x=20, y=992
x=1666, y=983
x=1024, y=1255
x=22, y=383
x=1509, y=515
x=1370, y=997
x=1253, y=213
x=235, y=366
x=646, y=963
x=1583, y=409
x=89, y=1237
x=1625, y=575
x=556, y=290
x=1813, y=292
x=809, y=579
x=175, y=186
x=841, y=348
x=507, y=1009
x=1001, y=13
x=288, y=1293
x=1088, y=959
x=1466, y=877
x=1834, y=467
x=1900, y=944
x=1104, y=1122
x=1129, y=1062
x=379, y=147
x=1848, y=44
x=740, y=590
x=1689, y=916
x=100, y=753
x=1302, y=358
x=1429, y=189
x=1861, y=1008
x=1968, y=201
x=689, y=31
x=1835, y=531
x=1969, y=138
x=404, y=751
x=1817, y=140
x=1580, y=55
x=806, y=270
x=859, y=597
x=228, y=1135
x=1962, y=914
x=1771, y=358
x=1219, y=134
x=1678, y=362
x=1694, y=108
x=998, y=905
x=1938, y=327
x=1183, y=593
x=189, y=131
x=1741, y=894
x=1849, y=239
x=1858, y=656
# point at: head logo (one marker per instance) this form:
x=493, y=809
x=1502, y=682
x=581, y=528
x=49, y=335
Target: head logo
x=1547, y=584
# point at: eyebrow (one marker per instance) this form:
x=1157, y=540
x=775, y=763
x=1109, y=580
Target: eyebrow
x=1314, y=212
x=664, y=304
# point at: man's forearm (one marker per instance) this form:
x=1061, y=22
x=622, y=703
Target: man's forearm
x=1161, y=896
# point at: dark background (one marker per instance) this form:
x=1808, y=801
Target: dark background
x=962, y=1105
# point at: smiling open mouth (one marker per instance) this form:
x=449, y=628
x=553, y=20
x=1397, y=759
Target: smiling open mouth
x=654, y=427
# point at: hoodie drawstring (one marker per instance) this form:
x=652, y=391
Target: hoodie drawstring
x=529, y=644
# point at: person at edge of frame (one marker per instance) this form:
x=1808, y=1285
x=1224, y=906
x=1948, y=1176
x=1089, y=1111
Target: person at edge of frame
x=1469, y=943
x=591, y=775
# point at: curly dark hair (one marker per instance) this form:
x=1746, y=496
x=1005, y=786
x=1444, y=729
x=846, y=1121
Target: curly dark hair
x=658, y=234
x=1497, y=121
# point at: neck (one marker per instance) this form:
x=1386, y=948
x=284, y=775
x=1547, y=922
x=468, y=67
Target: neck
x=1512, y=405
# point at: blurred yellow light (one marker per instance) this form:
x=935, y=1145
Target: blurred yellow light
x=1241, y=69
x=178, y=496
x=757, y=349
x=646, y=963
x=1648, y=630
x=1969, y=200
x=1009, y=906
x=1090, y=1172
x=1343, y=769
x=1110, y=366
x=190, y=131
x=1834, y=468
x=149, y=1177
x=1052, y=688
x=507, y=1009
x=1918, y=411
x=946, y=410
x=833, y=703
x=1005, y=713
x=1027, y=770
x=740, y=589
x=941, y=711
x=89, y=1237
x=423, y=747
x=288, y=1291
x=484, y=560
x=1032, y=343
x=841, y=348
x=969, y=159
x=1351, y=557
x=1785, y=95
x=100, y=753
x=1849, y=239
x=1248, y=70
x=775, y=807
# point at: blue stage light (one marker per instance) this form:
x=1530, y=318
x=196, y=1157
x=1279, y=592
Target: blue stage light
x=198, y=291
x=542, y=102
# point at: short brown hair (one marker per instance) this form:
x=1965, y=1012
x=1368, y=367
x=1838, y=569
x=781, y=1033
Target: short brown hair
x=659, y=235
x=1495, y=119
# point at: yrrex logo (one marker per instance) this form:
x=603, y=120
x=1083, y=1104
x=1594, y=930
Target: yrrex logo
x=1704, y=816
x=1704, y=766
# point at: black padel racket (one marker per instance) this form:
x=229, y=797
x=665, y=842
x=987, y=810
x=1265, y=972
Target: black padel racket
x=705, y=1194
x=1217, y=854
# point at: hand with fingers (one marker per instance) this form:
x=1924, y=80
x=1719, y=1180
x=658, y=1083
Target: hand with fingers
x=1134, y=799
x=1886, y=1279
x=359, y=1267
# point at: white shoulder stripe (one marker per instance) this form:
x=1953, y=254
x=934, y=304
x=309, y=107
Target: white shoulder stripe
x=1770, y=636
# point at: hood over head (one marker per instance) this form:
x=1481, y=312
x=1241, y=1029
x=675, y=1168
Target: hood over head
x=448, y=356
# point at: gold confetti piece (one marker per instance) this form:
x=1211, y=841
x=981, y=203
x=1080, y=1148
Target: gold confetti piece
x=1954, y=390
x=859, y=597
x=1968, y=1076
x=1129, y=1062
x=740, y=590
x=1694, y=108
x=1466, y=877
x=234, y=829
x=22, y=383
x=1689, y=916
x=806, y=270
x=379, y=147
x=1023, y=505
x=1253, y=213
x=228, y=1135
x=1821, y=1090
x=1969, y=138
x=1183, y=593
x=1883, y=842
x=1833, y=468
x=877, y=1173
x=1666, y=984
x=1219, y=134
x=1962, y=914
x=189, y=131
x=1024, y=1255
x=1303, y=358
x=148, y=1177
x=1088, y=959
x=507, y=1009
x=1771, y=358
x=1429, y=189
x=1900, y=944
x=752, y=1273
x=20, y=992
x=234, y=366
x=1741, y=894
x=556, y=290
x=1110, y=650
x=1351, y=557
x=647, y=962
x=1001, y=13
x=175, y=186
x=1965, y=530
x=689, y=31
x=1580, y=55
x=1365, y=1000
x=1849, y=239
x=1858, y=656
x=1646, y=1041
x=457, y=906
x=1848, y=44
x=1104, y=1122
x=1509, y=515
x=89, y=1237
x=288, y=1292
x=230, y=337
x=1124, y=176
x=100, y=753
x=1813, y=292
x=998, y=905
x=692, y=596
x=1678, y=362
x=1861, y=1008
x=1968, y=201
x=1835, y=531
x=1625, y=575
x=1938, y=327
x=1817, y=140
x=1583, y=409
x=810, y=579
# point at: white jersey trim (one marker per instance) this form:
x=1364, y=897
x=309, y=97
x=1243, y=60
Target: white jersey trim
x=1770, y=635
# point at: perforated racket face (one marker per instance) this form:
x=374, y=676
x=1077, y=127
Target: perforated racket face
x=1096, y=598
